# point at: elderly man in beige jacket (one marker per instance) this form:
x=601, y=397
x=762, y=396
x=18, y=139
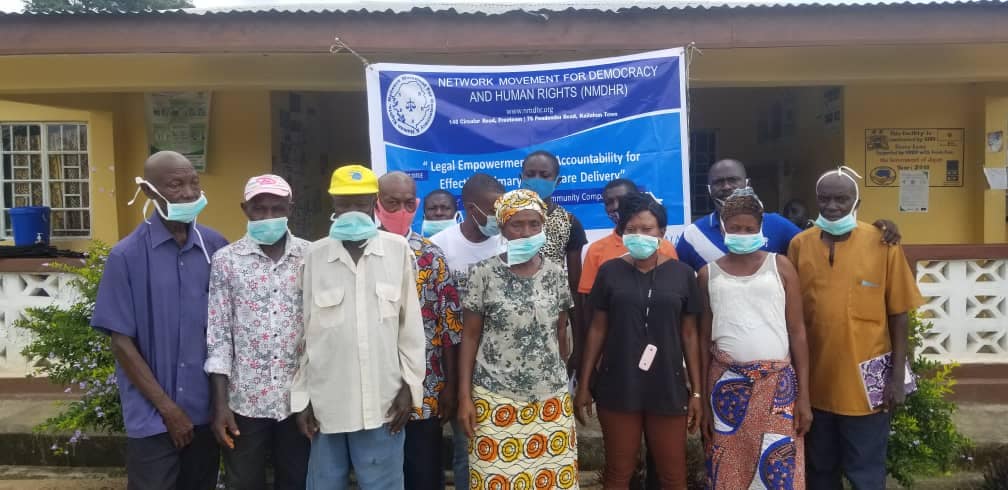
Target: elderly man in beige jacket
x=362, y=369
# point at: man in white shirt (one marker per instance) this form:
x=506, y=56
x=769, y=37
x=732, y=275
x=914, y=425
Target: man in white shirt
x=475, y=239
x=363, y=365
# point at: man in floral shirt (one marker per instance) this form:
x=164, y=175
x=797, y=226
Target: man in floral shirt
x=442, y=317
x=254, y=330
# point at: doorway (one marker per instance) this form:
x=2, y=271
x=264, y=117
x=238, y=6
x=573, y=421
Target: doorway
x=785, y=136
x=313, y=134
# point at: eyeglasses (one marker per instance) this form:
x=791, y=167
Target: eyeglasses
x=729, y=181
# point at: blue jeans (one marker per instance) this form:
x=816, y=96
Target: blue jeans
x=460, y=455
x=375, y=455
x=851, y=446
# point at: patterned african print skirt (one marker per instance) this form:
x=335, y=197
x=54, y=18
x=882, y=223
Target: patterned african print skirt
x=523, y=445
x=754, y=437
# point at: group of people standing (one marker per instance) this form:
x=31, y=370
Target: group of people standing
x=348, y=354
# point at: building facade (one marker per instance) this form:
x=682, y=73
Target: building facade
x=791, y=90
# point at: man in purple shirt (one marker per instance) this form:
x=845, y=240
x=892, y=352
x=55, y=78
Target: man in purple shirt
x=152, y=301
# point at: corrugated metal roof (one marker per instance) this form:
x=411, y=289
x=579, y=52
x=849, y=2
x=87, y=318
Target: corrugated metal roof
x=499, y=7
x=505, y=6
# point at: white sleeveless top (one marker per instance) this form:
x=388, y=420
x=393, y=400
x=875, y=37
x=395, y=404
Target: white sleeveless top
x=749, y=319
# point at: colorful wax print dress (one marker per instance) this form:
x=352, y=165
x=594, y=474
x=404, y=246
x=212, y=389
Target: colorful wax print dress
x=525, y=436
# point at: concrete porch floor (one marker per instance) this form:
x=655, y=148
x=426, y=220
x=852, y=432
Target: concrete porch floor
x=27, y=464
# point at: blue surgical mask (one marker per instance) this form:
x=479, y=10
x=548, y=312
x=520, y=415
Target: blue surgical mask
x=846, y=224
x=181, y=212
x=742, y=244
x=184, y=212
x=431, y=227
x=543, y=187
x=490, y=229
x=641, y=246
x=522, y=250
x=353, y=226
x=839, y=227
x=267, y=231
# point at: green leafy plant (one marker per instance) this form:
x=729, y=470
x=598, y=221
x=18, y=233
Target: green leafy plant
x=924, y=440
x=69, y=352
x=103, y=5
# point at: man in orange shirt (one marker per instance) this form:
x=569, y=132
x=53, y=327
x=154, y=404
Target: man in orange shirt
x=856, y=292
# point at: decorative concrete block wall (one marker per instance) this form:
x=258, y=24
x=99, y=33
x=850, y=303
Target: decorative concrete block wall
x=18, y=291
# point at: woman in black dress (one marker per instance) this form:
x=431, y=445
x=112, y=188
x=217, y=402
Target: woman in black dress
x=644, y=327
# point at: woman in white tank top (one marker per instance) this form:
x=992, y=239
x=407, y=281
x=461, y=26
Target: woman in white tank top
x=754, y=354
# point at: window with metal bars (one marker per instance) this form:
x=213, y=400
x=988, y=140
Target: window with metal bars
x=703, y=153
x=47, y=164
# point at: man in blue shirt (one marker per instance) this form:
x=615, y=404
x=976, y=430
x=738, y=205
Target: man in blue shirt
x=152, y=301
x=703, y=242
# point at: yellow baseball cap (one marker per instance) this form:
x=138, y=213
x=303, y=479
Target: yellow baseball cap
x=352, y=180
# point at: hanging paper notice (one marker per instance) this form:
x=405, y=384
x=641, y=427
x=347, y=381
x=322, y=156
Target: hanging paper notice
x=890, y=152
x=914, y=189
x=997, y=177
x=179, y=121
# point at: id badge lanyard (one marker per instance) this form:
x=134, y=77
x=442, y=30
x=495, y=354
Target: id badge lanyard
x=650, y=350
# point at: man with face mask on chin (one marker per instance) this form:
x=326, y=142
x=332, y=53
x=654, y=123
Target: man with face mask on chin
x=442, y=317
x=152, y=301
x=856, y=293
x=703, y=241
x=253, y=337
x=362, y=369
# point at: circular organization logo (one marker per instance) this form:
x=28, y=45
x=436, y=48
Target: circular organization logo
x=410, y=104
x=883, y=175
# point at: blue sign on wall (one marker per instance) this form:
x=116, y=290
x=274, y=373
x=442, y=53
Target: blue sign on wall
x=622, y=117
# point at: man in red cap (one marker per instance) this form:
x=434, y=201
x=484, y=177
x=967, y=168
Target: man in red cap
x=254, y=330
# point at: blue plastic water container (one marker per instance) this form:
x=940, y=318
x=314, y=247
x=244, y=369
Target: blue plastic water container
x=30, y=225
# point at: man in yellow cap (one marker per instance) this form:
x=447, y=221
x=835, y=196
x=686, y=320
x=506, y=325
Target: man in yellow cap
x=362, y=369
